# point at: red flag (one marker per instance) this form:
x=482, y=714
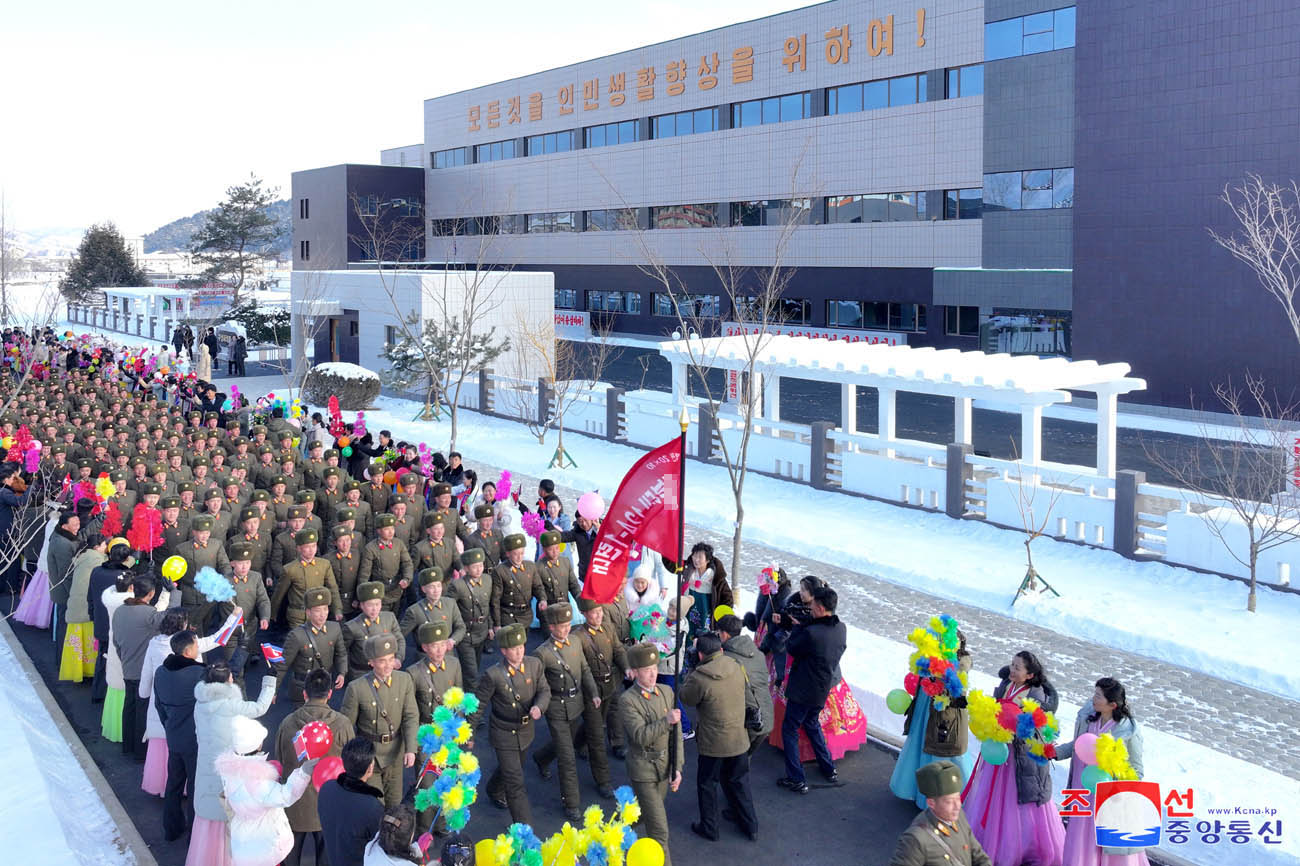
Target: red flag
x=644, y=511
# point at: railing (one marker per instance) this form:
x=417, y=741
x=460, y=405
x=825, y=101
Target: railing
x=902, y=471
x=1067, y=502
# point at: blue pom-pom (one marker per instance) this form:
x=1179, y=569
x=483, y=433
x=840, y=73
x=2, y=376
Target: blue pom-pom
x=629, y=836
x=624, y=795
x=213, y=586
x=1025, y=726
x=472, y=779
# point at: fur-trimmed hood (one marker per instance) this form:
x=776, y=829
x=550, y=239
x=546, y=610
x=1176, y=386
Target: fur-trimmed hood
x=246, y=768
x=208, y=692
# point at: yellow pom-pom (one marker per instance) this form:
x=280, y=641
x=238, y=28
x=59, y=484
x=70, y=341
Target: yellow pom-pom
x=631, y=813
x=593, y=816
x=504, y=847
x=468, y=763
x=453, y=697
x=439, y=757
x=463, y=733
x=453, y=799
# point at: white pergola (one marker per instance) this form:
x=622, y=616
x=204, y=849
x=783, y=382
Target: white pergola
x=1024, y=382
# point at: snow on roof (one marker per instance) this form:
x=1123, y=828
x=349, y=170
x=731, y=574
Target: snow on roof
x=1000, y=377
x=345, y=371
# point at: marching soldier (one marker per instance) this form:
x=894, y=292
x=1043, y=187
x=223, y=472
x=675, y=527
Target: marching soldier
x=346, y=516
x=433, y=675
x=280, y=502
x=434, y=608
x=307, y=499
x=251, y=532
x=445, y=514
x=251, y=598
x=555, y=575
x=381, y=706
x=200, y=552
x=514, y=582
x=372, y=621
x=434, y=551
x=376, y=492
x=608, y=661
x=515, y=694
x=402, y=526
x=473, y=596
x=330, y=495
x=361, y=513
x=387, y=561
x=317, y=644
x=410, y=484
x=648, y=716
x=304, y=573
x=346, y=563
x=285, y=547
x=940, y=836
x=174, y=530
x=572, y=691
x=485, y=535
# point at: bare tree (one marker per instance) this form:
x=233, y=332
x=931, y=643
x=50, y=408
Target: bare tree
x=1243, y=483
x=308, y=302
x=1036, y=501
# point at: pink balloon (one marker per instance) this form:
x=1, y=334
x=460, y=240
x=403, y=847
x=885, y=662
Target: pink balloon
x=36, y=445
x=591, y=506
x=1085, y=748
x=329, y=767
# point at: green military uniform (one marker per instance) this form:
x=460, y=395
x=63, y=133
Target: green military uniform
x=376, y=494
x=490, y=540
x=607, y=658
x=197, y=556
x=284, y=549
x=176, y=533
x=388, y=562
x=473, y=596
x=302, y=813
x=300, y=576
x=384, y=712
x=445, y=610
x=431, y=683
x=513, y=586
x=307, y=648
x=441, y=556
x=329, y=499
x=362, y=516
x=359, y=629
x=929, y=841
x=307, y=499
x=279, y=505
x=449, y=517
x=414, y=499
x=572, y=690
x=260, y=541
x=345, y=568
x=507, y=694
x=251, y=598
x=402, y=525
x=643, y=716
x=556, y=577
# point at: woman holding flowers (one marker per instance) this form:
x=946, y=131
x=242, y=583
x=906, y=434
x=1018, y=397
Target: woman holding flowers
x=1106, y=737
x=1008, y=799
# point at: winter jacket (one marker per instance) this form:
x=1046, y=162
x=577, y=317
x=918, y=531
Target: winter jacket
x=58, y=564
x=174, y=684
x=1126, y=730
x=160, y=648
x=377, y=856
x=583, y=541
x=82, y=586
x=350, y=813
x=111, y=600
x=217, y=705
x=240, y=350
x=816, y=648
x=259, y=831
x=134, y=624
x=638, y=599
x=716, y=688
x=1033, y=780
x=742, y=649
x=10, y=502
x=302, y=815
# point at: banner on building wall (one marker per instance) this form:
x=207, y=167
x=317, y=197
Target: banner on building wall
x=846, y=335
x=572, y=325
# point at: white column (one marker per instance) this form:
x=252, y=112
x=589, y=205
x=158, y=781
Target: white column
x=849, y=408
x=679, y=383
x=1031, y=435
x=962, y=429
x=297, y=343
x=1107, y=406
x=772, y=397
x=885, y=418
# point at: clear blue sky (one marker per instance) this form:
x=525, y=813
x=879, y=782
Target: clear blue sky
x=145, y=111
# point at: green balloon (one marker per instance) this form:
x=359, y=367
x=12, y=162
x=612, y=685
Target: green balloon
x=898, y=701
x=1093, y=775
x=346, y=451
x=994, y=752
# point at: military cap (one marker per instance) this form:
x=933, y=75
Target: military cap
x=239, y=551
x=380, y=645
x=642, y=655
x=85, y=463
x=306, y=535
x=297, y=512
x=153, y=487
x=376, y=468
x=61, y=448
x=138, y=460
x=586, y=604
x=514, y=541
x=317, y=596
x=441, y=488
x=248, y=513
x=305, y=496
x=117, y=475
x=212, y=493
x=232, y=424
x=210, y=416
x=340, y=531
x=238, y=440
x=286, y=433
x=175, y=452
x=169, y=502
x=257, y=428
x=260, y=496
x=472, y=555
x=546, y=539
x=558, y=613
x=229, y=480
x=184, y=486
x=428, y=520
x=371, y=590
x=315, y=443
x=277, y=479
x=386, y=520
x=481, y=511
x=939, y=778
x=407, y=479
x=398, y=499
x=512, y=635
x=342, y=514
x=289, y=457
x=331, y=452
x=353, y=484
x=202, y=523
x=331, y=472
x=430, y=575
x=432, y=632
x=154, y=468
x=265, y=449
x=201, y=460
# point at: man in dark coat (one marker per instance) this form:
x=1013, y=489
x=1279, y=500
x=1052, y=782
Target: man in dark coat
x=816, y=647
x=583, y=537
x=58, y=563
x=740, y=647
x=132, y=627
x=173, y=697
x=351, y=809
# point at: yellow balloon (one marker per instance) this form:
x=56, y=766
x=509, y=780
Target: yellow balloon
x=485, y=852
x=645, y=852
x=722, y=610
x=174, y=568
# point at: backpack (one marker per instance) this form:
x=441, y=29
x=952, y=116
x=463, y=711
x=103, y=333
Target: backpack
x=945, y=732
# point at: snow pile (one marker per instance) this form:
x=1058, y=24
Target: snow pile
x=344, y=370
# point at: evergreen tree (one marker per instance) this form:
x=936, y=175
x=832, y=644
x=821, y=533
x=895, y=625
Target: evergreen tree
x=236, y=234
x=101, y=261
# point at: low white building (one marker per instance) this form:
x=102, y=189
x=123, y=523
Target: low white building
x=353, y=315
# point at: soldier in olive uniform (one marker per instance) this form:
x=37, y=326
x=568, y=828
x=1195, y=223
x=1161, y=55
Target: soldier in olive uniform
x=608, y=661
x=472, y=593
x=410, y=484
x=284, y=548
x=200, y=552
x=304, y=573
x=362, y=515
x=307, y=499
x=376, y=492
x=251, y=598
x=402, y=526
x=433, y=674
x=940, y=836
x=514, y=583
x=175, y=531
x=388, y=561
x=648, y=715
x=330, y=495
x=486, y=536
x=555, y=574
x=346, y=516
x=373, y=620
x=446, y=514
x=572, y=690
x=213, y=506
x=381, y=706
x=435, y=551
x=280, y=501
x=316, y=644
x=251, y=532
x=514, y=694
x=346, y=562
x=434, y=608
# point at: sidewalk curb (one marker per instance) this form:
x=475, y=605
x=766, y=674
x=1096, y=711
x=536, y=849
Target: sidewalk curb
x=125, y=826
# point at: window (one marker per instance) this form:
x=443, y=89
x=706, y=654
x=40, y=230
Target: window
x=1029, y=34
x=877, y=315
x=411, y=251
x=684, y=123
x=566, y=299
x=688, y=306
x=774, y=109
x=961, y=321
x=876, y=207
x=551, y=142
x=495, y=151
x=304, y=251
x=965, y=81
x=771, y=212
x=446, y=228
x=963, y=204
x=1035, y=189
x=368, y=205
x=844, y=314
x=1027, y=332
x=304, y=210
x=684, y=216
x=902, y=90
x=610, y=133
x=556, y=221
x=390, y=336
x=512, y=224
x=907, y=317
x=793, y=311
x=354, y=328
x=614, y=302
x=615, y=220
x=449, y=158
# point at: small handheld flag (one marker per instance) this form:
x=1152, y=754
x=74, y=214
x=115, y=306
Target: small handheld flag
x=233, y=622
x=273, y=654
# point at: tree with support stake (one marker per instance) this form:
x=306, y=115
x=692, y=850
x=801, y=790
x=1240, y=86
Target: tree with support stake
x=559, y=457
x=1035, y=516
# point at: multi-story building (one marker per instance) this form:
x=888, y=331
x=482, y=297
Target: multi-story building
x=926, y=157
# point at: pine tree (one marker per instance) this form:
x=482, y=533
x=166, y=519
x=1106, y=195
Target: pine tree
x=236, y=234
x=101, y=261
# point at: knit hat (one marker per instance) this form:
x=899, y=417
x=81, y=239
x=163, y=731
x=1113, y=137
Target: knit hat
x=246, y=735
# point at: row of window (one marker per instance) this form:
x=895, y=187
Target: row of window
x=369, y=206
x=1036, y=189
x=1029, y=34
x=875, y=315
x=884, y=93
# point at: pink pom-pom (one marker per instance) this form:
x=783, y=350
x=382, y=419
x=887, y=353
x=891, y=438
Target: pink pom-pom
x=503, y=484
x=33, y=460
x=533, y=524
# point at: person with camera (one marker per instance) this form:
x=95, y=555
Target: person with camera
x=815, y=647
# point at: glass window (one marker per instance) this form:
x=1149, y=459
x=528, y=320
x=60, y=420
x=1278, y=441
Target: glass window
x=1003, y=39
x=962, y=321
x=595, y=136
x=664, y=127
x=844, y=209
x=627, y=131
x=902, y=207
x=1036, y=189
x=684, y=122
x=1002, y=191
x=771, y=110
x=1063, y=187
x=845, y=99
x=922, y=86
x=950, y=204
x=1063, y=32
x=751, y=113
x=972, y=80
x=566, y=299
x=684, y=216
x=706, y=120
x=875, y=94
x=902, y=90
x=1029, y=34
x=952, y=86
x=844, y=314
x=875, y=207
x=792, y=107
x=972, y=203
x=564, y=141
x=747, y=213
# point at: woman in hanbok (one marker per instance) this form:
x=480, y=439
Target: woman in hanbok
x=933, y=735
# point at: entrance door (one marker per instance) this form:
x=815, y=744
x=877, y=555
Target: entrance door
x=334, y=339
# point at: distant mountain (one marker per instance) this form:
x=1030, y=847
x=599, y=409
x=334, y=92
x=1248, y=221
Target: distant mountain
x=176, y=235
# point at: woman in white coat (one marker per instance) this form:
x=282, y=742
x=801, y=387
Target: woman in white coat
x=111, y=721
x=394, y=844
x=219, y=701
x=259, y=830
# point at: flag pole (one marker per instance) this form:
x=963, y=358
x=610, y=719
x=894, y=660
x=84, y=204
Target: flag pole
x=685, y=421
